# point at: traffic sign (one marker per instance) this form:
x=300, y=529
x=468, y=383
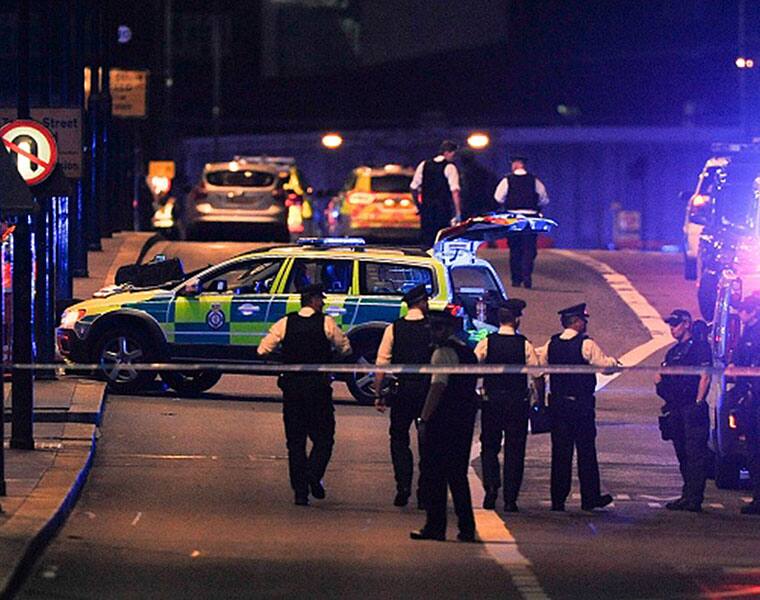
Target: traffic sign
x=32, y=147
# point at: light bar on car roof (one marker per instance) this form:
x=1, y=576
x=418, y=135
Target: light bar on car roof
x=331, y=241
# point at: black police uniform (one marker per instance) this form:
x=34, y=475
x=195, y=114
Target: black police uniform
x=446, y=450
x=505, y=413
x=689, y=421
x=521, y=194
x=411, y=345
x=572, y=405
x=437, y=207
x=748, y=355
x=308, y=410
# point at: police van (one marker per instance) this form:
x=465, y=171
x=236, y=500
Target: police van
x=219, y=315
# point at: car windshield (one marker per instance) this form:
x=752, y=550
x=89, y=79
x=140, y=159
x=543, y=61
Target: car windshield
x=243, y=178
x=736, y=196
x=393, y=184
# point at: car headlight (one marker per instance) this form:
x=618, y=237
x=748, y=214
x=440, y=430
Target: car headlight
x=71, y=316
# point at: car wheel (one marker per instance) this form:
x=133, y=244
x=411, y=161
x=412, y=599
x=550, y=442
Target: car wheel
x=117, y=352
x=191, y=383
x=727, y=473
x=707, y=294
x=689, y=268
x=362, y=385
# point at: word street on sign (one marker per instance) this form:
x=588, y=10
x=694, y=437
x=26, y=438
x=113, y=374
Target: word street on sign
x=32, y=147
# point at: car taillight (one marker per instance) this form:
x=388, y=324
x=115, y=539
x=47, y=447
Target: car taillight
x=360, y=198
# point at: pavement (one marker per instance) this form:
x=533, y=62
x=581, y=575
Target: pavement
x=42, y=485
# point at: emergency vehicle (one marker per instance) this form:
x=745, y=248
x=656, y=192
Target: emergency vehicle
x=375, y=201
x=732, y=251
x=219, y=315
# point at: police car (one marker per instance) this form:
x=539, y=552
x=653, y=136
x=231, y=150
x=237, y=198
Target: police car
x=219, y=315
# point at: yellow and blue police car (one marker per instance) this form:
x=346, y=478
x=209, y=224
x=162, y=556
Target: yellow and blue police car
x=219, y=315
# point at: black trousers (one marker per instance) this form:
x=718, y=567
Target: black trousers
x=691, y=429
x=574, y=428
x=432, y=220
x=405, y=409
x=522, y=255
x=445, y=460
x=507, y=419
x=308, y=413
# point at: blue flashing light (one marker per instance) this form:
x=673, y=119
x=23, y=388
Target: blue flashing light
x=331, y=241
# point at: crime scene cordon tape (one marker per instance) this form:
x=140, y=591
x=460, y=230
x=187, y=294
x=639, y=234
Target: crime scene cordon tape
x=269, y=368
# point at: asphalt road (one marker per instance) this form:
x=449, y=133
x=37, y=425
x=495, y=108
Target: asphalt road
x=189, y=498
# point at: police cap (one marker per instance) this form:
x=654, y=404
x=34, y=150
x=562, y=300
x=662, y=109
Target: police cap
x=577, y=310
x=416, y=294
x=444, y=318
x=511, y=309
x=678, y=316
x=311, y=291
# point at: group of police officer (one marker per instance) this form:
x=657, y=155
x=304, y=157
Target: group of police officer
x=436, y=187
x=443, y=407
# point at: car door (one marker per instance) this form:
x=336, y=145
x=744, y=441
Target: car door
x=224, y=316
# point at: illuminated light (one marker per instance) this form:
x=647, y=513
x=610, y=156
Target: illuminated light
x=331, y=241
x=750, y=63
x=700, y=200
x=404, y=202
x=388, y=202
x=478, y=140
x=233, y=166
x=332, y=140
x=732, y=421
x=743, y=62
x=204, y=207
x=360, y=198
x=248, y=174
x=159, y=185
x=392, y=168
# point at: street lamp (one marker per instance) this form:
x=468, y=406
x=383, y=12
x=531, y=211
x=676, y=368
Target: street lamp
x=743, y=62
x=478, y=140
x=332, y=140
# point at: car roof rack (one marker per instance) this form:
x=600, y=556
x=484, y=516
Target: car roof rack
x=263, y=158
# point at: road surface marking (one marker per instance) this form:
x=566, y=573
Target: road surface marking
x=499, y=542
x=646, y=313
x=137, y=518
x=654, y=505
x=195, y=554
x=716, y=505
x=622, y=497
x=659, y=498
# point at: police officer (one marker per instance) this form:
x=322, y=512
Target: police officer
x=687, y=412
x=307, y=336
x=522, y=192
x=405, y=341
x=572, y=407
x=446, y=427
x=437, y=181
x=504, y=413
x=748, y=355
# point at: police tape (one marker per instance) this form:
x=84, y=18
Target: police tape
x=270, y=368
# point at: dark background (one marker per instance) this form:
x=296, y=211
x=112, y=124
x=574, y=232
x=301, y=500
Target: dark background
x=305, y=64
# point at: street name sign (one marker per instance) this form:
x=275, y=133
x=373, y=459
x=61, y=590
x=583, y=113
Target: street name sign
x=32, y=147
x=66, y=126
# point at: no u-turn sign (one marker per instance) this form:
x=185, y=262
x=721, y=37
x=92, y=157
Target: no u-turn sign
x=32, y=147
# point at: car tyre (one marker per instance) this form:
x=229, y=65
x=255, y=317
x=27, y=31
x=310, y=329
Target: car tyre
x=191, y=383
x=116, y=351
x=727, y=473
x=707, y=294
x=362, y=385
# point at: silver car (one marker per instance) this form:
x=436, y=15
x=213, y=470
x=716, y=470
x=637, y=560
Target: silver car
x=246, y=191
